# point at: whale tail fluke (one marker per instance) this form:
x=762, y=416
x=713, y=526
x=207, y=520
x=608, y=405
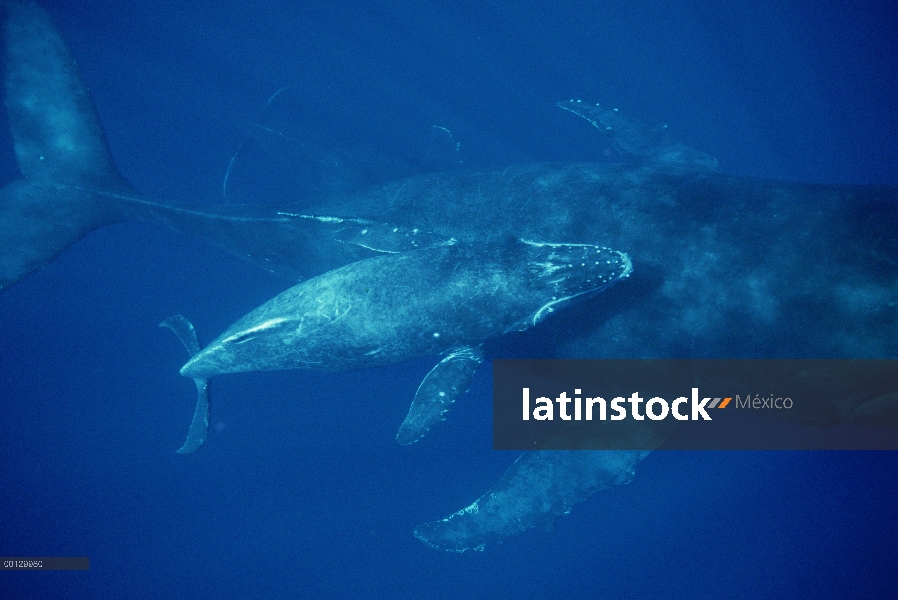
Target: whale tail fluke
x=60, y=149
x=199, y=426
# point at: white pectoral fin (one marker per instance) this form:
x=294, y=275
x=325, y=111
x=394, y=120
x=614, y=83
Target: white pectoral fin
x=882, y=410
x=539, y=487
x=445, y=382
x=199, y=426
x=637, y=140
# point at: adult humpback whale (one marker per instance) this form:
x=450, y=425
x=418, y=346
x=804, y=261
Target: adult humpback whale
x=723, y=266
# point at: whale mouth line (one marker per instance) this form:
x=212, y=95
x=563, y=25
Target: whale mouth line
x=248, y=334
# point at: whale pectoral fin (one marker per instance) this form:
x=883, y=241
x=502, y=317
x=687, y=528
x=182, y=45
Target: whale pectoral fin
x=384, y=238
x=199, y=426
x=443, y=152
x=536, y=489
x=445, y=382
x=636, y=140
x=882, y=410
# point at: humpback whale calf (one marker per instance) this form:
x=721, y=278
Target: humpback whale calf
x=723, y=265
x=448, y=298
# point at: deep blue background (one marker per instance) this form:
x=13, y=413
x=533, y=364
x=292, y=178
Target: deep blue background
x=301, y=490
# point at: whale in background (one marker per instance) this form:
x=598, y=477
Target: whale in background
x=70, y=185
x=723, y=266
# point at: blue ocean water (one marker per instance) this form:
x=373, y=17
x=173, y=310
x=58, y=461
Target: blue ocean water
x=301, y=490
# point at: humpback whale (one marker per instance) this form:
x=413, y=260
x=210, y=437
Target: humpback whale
x=448, y=298
x=723, y=265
